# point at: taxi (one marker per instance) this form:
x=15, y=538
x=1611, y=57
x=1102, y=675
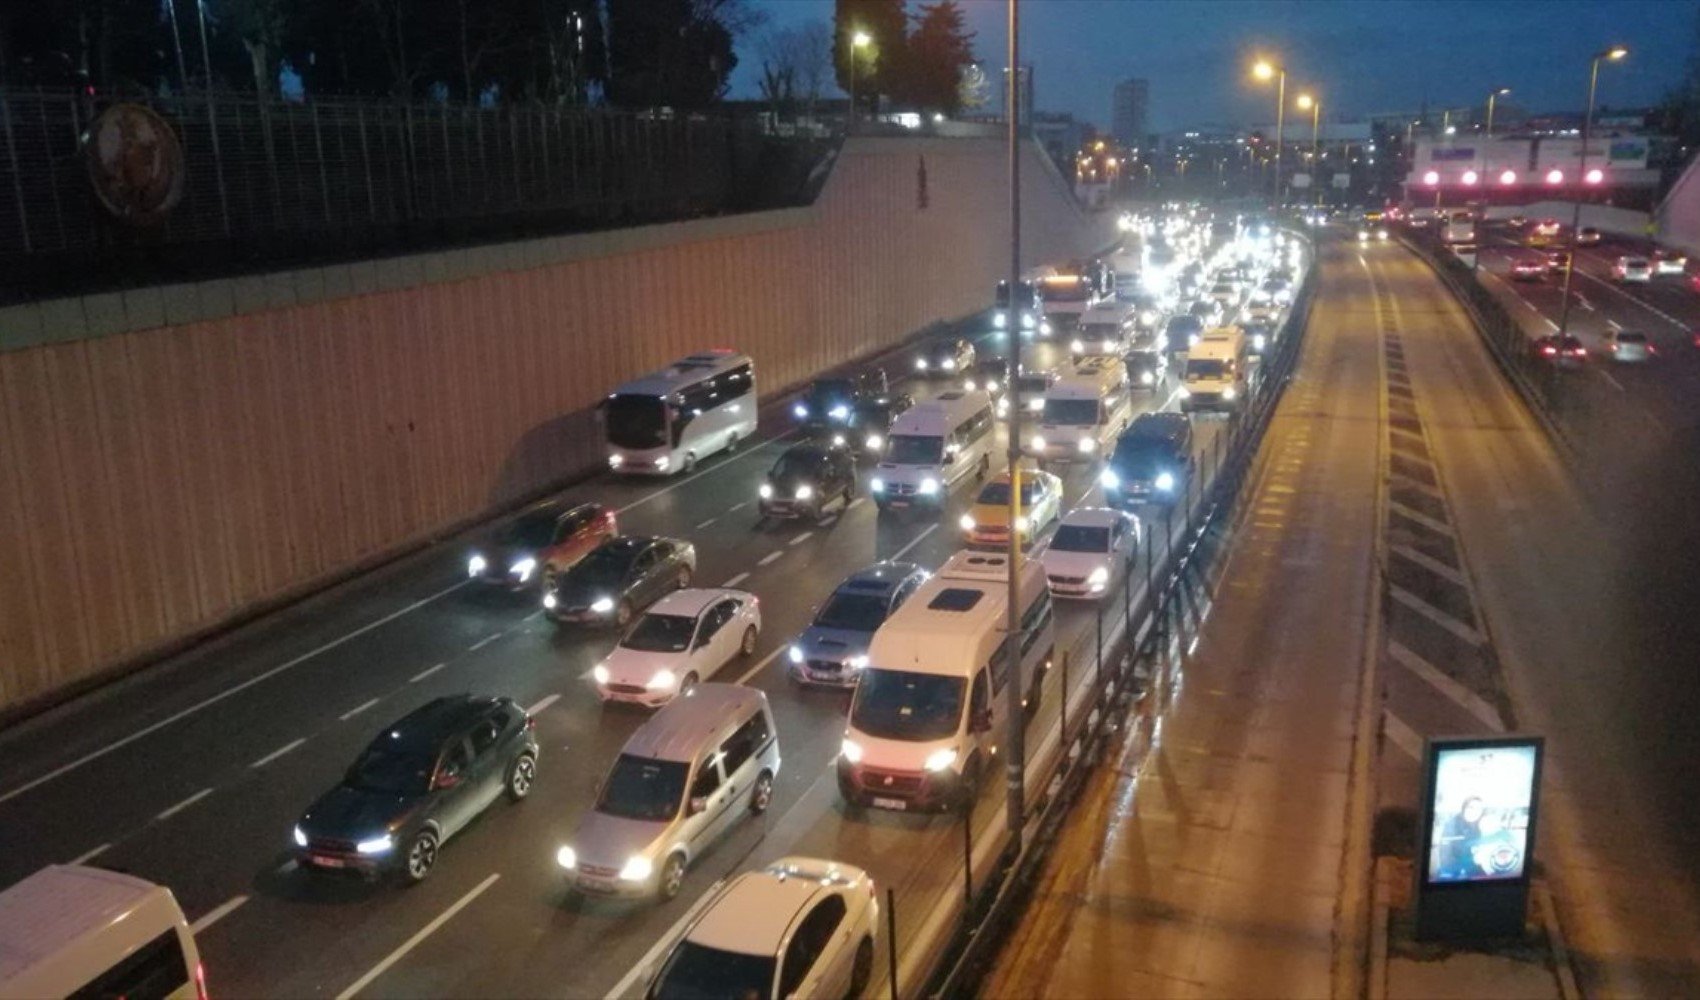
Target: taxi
x=987, y=522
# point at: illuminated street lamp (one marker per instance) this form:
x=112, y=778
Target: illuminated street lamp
x=1613, y=54
x=858, y=40
x=1265, y=70
x=1492, y=96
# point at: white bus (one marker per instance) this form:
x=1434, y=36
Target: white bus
x=668, y=421
x=930, y=707
x=1084, y=412
x=1460, y=227
x=70, y=930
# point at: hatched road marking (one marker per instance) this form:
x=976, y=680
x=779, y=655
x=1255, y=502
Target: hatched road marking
x=1460, y=695
x=1401, y=735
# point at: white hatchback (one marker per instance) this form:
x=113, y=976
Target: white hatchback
x=1091, y=551
x=801, y=927
x=684, y=638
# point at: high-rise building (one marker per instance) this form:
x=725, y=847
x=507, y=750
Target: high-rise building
x=1128, y=106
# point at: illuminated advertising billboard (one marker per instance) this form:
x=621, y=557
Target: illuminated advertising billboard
x=1480, y=810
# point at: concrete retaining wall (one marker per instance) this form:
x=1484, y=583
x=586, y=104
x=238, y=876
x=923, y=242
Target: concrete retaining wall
x=172, y=458
x=1605, y=218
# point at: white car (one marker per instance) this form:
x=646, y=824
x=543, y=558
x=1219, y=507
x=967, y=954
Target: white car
x=1632, y=269
x=1669, y=262
x=1628, y=345
x=1091, y=550
x=684, y=638
x=800, y=927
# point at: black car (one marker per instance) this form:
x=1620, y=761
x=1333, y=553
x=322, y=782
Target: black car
x=1147, y=367
x=1151, y=463
x=871, y=424
x=806, y=478
x=1180, y=331
x=990, y=376
x=829, y=404
x=418, y=783
x=944, y=358
x=620, y=577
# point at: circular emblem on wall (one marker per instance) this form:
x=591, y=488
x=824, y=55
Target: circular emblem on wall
x=135, y=163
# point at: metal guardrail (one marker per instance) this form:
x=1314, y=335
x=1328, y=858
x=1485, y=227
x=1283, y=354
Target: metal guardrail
x=1133, y=622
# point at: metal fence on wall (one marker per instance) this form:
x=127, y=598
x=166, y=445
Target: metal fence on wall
x=270, y=181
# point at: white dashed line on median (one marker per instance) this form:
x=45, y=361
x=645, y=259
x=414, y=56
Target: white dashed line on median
x=214, y=916
x=480, y=644
x=1615, y=384
x=413, y=942
x=768, y=559
x=356, y=710
x=88, y=856
x=800, y=539
x=279, y=752
x=740, y=578
x=543, y=704
x=737, y=507
x=186, y=803
x=1457, y=693
x=421, y=675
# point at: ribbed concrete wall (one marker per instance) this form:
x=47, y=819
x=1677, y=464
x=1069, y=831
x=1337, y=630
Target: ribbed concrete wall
x=171, y=458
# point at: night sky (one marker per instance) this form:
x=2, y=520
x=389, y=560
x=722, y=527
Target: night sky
x=1363, y=57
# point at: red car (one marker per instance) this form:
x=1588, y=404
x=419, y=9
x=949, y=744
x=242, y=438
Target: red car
x=545, y=540
x=1528, y=269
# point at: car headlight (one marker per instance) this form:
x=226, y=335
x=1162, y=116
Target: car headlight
x=948, y=365
x=858, y=662
x=1077, y=347
x=377, y=845
x=636, y=869
x=300, y=837
x=1363, y=237
x=1183, y=392
x=1192, y=340
x=795, y=654
x=1099, y=576
x=1087, y=444
x=476, y=565
x=1228, y=393
x=999, y=321
x=1021, y=523
x=920, y=364
x=805, y=491
x=876, y=484
x=1027, y=322
x=523, y=569
x=1257, y=342
x=663, y=462
x=1148, y=317
x=939, y=760
x=929, y=486
x=1147, y=378
x=662, y=680
x=599, y=674
x=1038, y=442
x=851, y=751
x=566, y=857
x=1109, y=480
x=615, y=461
x=1045, y=327
x=602, y=605
x=839, y=412
x=1165, y=481
x=967, y=522
x=765, y=491
x=550, y=601
x=838, y=440
x=968, y=385
x=1035, y=405
x=800, y=410
x=875, y=442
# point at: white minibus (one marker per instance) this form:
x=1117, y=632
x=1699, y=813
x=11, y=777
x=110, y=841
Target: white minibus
x=1215, y=375
x=669, y=420
x=1084, y=412
x=934, y=445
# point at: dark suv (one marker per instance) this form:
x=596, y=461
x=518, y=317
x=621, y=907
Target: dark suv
x=619, y=578
x=830, y=403
x=806, y=478
x=418, y=783
x=1151, y=463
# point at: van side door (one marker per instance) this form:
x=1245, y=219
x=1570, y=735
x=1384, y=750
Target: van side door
x=708, y=790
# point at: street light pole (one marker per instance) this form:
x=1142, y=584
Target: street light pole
x=1305, y=100
x=1265, y=70
x=1015, y=752
x=1492, y=95
x=858, y=41
x=1614, y=53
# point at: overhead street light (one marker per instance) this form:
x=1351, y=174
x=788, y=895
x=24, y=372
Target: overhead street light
x=1263, y=69
x=858, y=40
x=1613, y=54
x=1493, y=96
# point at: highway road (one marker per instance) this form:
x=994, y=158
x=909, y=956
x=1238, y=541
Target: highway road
x=191, y=774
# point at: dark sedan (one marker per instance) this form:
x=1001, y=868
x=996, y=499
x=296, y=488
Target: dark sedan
x=829, y=404
x=418, y=783
x=619, y=578
x=806, y=478
x=1146, y=368
x=872, y=422
x=539, y=543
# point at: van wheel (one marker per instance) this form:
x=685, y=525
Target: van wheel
x=748, y=646
x=970, y=790
x=672, y=876
x=984, y=467
x=690, y=463
x=421, y=857
x=862, y=970
x=761, y=796
x=520, y=777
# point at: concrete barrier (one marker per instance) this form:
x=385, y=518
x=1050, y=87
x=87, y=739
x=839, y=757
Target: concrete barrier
x=1605, y=218
x=172, y=459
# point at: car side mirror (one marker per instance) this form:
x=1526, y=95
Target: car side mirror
x=696, y=805
x=448, y=779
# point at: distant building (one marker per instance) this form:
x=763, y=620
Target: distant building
x=1025, y=95
x=1129, y=107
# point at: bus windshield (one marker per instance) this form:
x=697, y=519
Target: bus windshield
x=1071, y=412
x=909, y=449
x=636, y=422
x=900, y=705
x=1073, y=289
x=1206, y=368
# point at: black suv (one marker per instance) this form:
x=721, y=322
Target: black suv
x=418, y=783
x=620, y=577
x=806, y=478
x=871, y=424
x=1152, y=462
x=1180, y=332
x=830, y=403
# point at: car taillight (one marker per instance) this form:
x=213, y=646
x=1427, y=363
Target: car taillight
x=1549, y=350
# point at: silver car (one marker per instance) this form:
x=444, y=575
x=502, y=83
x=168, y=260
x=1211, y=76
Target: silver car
x=1628, y=345
x=705, y=761
x=834, y=648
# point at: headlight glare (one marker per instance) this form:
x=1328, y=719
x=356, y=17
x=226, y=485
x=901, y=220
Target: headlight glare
x=550, y=601
x=875, y=441
x=1165, y=481
x=567, y=858
x=1087, y=444
x=377, y=845
x=636, y=869
x=1099, y=576
x=800, y=410
x=851, y=751
x=1109, y=480
x=1147, y=378
x=765, y=491
x=805, y=491
x=929, y=486
x=662, y=680
x=795, y=654
x=599, y=674
x=523, y=569
x=602, y=605
x=967, y=522
x=300, y=837
x=876, y=484
x=476, y=565
x=939, y=760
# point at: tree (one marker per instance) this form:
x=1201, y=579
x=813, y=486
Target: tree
x=1679, y=112
x=262, y=26
x=794, y=64
x=939, y=50
x=878, y=65
x=813, y=49
x=673, y=53
x=108, y=45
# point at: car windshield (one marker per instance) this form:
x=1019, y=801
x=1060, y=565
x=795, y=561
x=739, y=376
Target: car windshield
x=1071, y=412
x=1024, y=296
x=606, y=565
x=1081, y=538
x=795, y=465
x=853, y=612
x=394, y=772
x=1206, y=368
x=1631, y=337
x=900, y=705
x=910, y=449
x=1141, y=360
x=659, y=633
x=1029, y=384
x=643, y=789
x=698, y=972
x=636, y=421
x=1108, y=330
x=1136, y=457
x=533, y=531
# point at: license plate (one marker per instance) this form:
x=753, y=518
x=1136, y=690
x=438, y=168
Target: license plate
x=900, y=503
x=589, y=884
x=327, y=862
x=890, y=803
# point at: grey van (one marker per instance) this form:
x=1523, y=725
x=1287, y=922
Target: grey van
x=703, y=762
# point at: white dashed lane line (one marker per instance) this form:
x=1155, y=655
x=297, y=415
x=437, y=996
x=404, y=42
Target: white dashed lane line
x=186, y=803
x=480, y=644
x=543, y=704
x=214, y=916
x=428, y=671
x=800, y=539
x=279, y=752
x=356, y=710
x=740, y=578
x=413, y=942
x=90, y=855
x=768, y=559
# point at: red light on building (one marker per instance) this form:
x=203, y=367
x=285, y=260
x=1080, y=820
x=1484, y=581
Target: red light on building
x=1508, y=177
x=1594, y=176
x=1471, y=177
x=1555, y=176
x=1431, y=178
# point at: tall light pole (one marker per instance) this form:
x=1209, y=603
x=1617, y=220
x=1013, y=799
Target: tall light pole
x=1265, y=70
x=1613, y=54
x=858, y=40
x=1015, y=749
x=1315, y=106
x=1492, y=96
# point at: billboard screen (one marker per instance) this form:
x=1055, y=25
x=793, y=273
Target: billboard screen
x=1481, y=803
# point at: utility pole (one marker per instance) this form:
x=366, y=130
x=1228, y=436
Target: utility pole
x=1015, y=752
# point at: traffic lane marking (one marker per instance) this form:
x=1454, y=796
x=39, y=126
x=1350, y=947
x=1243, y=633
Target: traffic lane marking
x=171, y=811
x=279, y=752
x=1457, y=693
x=416, y=678
x=356, y=710
x=414, y=941
x=740, y=578
x=769, y=559
x=225, y=909
x=89, y=855
x=1401, y=735
x=542, y=704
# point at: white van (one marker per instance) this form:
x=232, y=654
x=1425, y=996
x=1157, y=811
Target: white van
x=1105, y=329
x=930, y=708
x=1084, y=412
x=70, y=930
x=932, y=446
x=1215, y=376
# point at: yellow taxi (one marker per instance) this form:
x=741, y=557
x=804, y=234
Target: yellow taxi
x=987, y=522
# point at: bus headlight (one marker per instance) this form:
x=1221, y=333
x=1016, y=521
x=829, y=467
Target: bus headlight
x=765, y=491
x=1109, y=480
x=1165, y=481
x=929, y=486
x=967, y=522
x=940, y=760
x=876, y=484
